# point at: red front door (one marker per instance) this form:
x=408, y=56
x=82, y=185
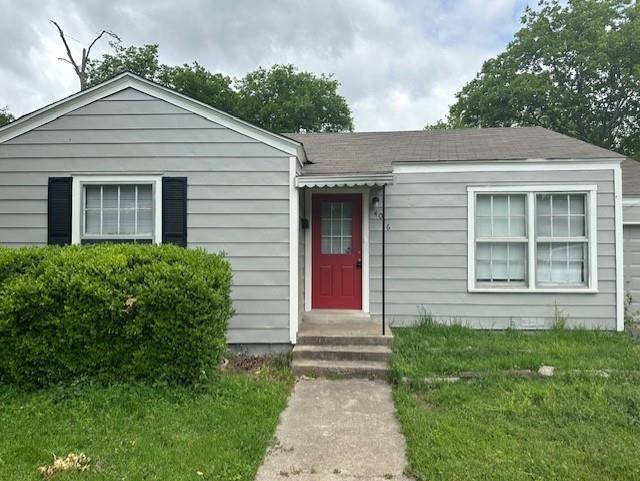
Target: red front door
x=336, y=278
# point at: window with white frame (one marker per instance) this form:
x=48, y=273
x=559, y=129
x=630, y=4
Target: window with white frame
x=532, y=238
x=501, y=238
x=118, y=211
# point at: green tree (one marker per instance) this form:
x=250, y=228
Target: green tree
x=5, y=116
x=282, y=99
x=573, y=67
x=141, y=61
x=197, y=82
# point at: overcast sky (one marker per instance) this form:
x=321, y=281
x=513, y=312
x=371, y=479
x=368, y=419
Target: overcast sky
x=399, y=62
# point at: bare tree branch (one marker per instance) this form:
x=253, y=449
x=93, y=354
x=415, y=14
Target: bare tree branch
x=81, y=70
x=66, y=46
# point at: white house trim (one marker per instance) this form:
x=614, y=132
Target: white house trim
x=617, y=182
x=344, y=180
x=504, y=166
x=76, y=199
x=294, y=225
x=308, y=238
x=129, y=80
x=531, y=190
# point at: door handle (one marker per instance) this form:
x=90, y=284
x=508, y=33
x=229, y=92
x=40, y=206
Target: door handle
x=359, y=264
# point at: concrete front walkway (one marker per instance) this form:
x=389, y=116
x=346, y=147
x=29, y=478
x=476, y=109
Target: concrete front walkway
x=337, y=430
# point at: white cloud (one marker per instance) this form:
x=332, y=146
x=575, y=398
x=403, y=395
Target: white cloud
x=400, y=63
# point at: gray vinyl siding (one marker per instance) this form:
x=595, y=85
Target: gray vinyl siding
x=426, y=262
x=238, y=191
x=632, y=268
x=631, y=213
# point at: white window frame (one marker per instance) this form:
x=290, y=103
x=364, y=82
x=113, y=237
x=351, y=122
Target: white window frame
x=531, y=191
x=77, y=215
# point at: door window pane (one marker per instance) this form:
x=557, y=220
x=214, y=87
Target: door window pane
x=336, y=227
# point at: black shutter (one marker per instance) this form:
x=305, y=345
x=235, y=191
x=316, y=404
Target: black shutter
x=59, y=211
x=174, y=210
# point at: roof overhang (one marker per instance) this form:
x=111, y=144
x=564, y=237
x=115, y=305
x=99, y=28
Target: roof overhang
x=354, y=180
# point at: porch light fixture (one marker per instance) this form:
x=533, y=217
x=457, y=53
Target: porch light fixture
x=375, y=207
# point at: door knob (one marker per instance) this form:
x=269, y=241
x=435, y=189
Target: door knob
x=359, y=263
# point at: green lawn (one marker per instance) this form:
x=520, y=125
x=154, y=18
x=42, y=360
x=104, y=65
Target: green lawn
x=216, y=432
x=567, y=428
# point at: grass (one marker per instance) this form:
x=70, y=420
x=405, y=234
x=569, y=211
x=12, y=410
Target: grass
x=437, y=349
x=219, y=431
x=570, y=427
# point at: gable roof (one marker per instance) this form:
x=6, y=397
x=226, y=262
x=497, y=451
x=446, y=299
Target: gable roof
x=128, y=80
x=374, y=152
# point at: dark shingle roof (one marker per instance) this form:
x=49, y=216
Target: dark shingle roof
x=373, y=152
x=630, y=178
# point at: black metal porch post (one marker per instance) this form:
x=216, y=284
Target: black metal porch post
x=384, y=228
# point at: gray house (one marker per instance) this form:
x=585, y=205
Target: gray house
x=492, y=227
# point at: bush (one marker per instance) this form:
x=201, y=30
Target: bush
x=111, y=312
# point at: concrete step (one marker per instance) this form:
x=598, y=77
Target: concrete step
x=340, y=369
x=342, y=353
x=335, y=316
x=317, y=339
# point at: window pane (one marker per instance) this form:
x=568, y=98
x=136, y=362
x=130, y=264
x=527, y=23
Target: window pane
x=336, y=245
x=92, y=221
x=544, y=225
x=518, y=226
x=484, y=205
x=346, y=245
x=561, y=263
x=500, y=205
x=517, y=261
x=110, y=221
x=336, y=227
x=145, y=196
x=110, y=196
x=326, y=245
x=128, y=221
x=517, y=205
x=560, y=204
x=93, y=196
x=483, y=227
x=326, y=227
x=127, y=196
x=543, y=204
x=577, y=203
x=501, y=215
x=145, y=221
x=500, y=227
x=576, y=226
x=560, y=225
x=501, y=262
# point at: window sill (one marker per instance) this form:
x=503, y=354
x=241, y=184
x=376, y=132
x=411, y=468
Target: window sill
x=539, y=290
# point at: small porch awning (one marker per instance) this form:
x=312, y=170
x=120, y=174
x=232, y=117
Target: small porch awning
x=354, y=180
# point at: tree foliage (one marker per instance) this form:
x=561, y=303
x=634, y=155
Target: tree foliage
x=285, y=100
x=5, y=116
x=281, y=99
x=573, y=67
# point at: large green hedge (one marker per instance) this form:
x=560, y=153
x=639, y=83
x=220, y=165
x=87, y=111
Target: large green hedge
x=111, y=312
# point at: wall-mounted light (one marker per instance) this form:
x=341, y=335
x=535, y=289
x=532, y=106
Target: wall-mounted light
x=376, y=207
